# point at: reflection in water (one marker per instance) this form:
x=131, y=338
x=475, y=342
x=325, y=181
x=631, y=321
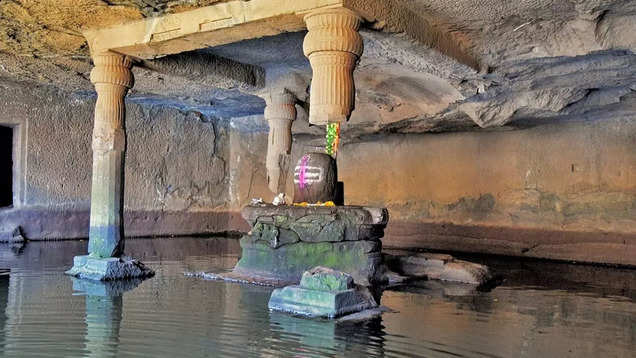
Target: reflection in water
x=4, y=300
x=104, y=309
x=534, y=313
x=322, y=337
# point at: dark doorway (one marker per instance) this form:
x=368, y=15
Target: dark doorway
x=6, y=166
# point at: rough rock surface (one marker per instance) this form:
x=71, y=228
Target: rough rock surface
x=179, y=166
x=440, y=267
x=14, y=237
x=282, y=225
x=429, y=65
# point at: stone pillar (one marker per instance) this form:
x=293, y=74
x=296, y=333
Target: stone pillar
x=333, y=46
x=280, y=113
x=112, y=78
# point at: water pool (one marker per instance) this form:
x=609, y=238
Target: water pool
x=541, y=310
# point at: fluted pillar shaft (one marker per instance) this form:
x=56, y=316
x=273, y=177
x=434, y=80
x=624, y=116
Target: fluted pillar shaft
x=280, y=112
x=333, y=46
x=112, y=78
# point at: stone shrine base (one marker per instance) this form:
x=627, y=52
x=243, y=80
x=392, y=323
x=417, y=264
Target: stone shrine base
x=107, y=269
x=286, y=241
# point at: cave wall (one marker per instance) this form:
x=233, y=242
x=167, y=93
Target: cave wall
x=559, y=191
x=176, y=166
x=573, y=176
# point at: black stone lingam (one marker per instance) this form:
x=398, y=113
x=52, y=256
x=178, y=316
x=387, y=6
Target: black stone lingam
x=287, y=240
x=315, y=179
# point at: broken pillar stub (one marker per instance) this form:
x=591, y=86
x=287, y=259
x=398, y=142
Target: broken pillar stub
x=315, y=178
x=333, y=46
x=280, y=112
x=113, y=78
x=322, y=292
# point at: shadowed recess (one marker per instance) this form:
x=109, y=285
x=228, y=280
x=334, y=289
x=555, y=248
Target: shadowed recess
x=6, y=166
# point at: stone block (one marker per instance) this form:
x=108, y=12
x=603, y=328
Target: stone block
x=361, y=259
x=281, y=225
x=360, y=214
x=274, y=236
x=322, y=228
x=322, y=293
x=106, y=269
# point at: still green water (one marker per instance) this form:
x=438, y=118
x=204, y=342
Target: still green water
x=540, y=310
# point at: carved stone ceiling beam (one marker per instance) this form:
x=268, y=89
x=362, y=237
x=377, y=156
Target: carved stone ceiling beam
x=233, y=21
x=208, y=26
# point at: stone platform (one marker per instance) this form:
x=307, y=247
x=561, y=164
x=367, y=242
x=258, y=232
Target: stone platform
x=286, y=241
x=106, y=269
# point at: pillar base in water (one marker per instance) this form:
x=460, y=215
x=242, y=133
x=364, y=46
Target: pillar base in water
x=109, y=268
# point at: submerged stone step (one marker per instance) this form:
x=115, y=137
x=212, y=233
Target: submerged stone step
x=322, y=292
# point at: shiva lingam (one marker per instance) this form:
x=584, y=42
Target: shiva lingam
x=329, y=254
x=315, y=179
x=333, y=251
x=287, y=240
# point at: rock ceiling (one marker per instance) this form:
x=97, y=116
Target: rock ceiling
x=520, y=62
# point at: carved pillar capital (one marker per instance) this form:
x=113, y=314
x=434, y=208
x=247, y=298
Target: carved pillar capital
x=333, y=30
x=333, y=46
x=281, y=105
x=112, y=68
x=280, y=112
x=112, y=78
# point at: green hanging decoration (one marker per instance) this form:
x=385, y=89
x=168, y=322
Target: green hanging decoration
x=333, y=138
